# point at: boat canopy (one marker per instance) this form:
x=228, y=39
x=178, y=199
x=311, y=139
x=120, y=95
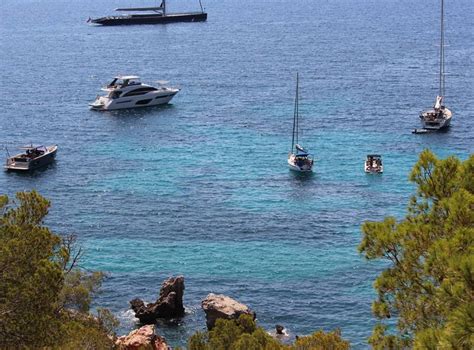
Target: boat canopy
x=140, y=9
x=300, y=148
x=374, y=156
x=127, y=77
x=31, y=147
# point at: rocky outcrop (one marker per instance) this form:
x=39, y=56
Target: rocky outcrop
x=143, y=338
x=169, y=304
x=220, y=306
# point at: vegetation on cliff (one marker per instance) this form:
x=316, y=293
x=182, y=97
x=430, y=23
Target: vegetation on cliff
x=44, y=296
x=429, y=283
x=244, y=334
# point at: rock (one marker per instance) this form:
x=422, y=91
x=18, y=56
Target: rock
x=279, y=329
x=169, y=304
x=220, y=306
x=143, y=338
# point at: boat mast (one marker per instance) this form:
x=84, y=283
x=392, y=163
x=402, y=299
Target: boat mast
x=295, y=118
x=163, y=6
x=441, y=54
x=200, y=4
x=297, y=106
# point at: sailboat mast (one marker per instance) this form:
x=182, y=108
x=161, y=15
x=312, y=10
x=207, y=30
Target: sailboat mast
x=297, y=107
x=295, y=118
x=441, y=54
x=163, y=5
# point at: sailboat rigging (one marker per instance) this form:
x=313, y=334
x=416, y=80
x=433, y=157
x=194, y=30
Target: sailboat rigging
x=298, y=158
x=439, y=116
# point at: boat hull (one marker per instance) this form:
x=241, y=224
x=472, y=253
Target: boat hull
x=104, y=103
x=306, y=168
x=33, y=164
x=149, y=19
x=371, y=170
x=432, y=120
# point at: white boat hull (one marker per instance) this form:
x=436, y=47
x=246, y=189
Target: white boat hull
x=153, y=98
x=430, y=120
x=305, y=168
x=372, y=170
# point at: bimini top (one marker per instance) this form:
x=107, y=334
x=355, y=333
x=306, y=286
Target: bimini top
x=374, y=156
x=139, y=9
x=301, y=152
x=30, y=147
x=127, y=77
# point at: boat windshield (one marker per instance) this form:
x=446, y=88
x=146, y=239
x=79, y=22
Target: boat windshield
x=112, y=83
x=124, y=81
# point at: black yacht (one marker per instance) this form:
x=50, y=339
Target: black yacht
x=150, y=15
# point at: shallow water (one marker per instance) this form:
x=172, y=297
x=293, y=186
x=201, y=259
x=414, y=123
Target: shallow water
x=201, y=187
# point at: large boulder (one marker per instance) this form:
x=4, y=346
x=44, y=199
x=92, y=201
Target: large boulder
x=220, y=306
x=143, y=338
x=169, y=304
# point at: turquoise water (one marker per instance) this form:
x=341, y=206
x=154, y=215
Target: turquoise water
x=201, y=187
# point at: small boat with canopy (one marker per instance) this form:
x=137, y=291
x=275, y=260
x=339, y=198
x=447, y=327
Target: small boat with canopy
x=299, y=158
x=32, y=157
x=373, y=164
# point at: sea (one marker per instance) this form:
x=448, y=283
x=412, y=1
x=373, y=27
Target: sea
x=201, y=187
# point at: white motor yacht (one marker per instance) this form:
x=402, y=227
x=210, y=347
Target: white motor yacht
x=128, y=92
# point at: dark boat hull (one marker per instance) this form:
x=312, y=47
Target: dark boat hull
x=150, y=19
x=36, y=163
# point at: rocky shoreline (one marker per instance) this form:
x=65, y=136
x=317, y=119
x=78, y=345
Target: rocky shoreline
x=169, y=305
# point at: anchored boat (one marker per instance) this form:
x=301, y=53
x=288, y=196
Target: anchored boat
x=373, y=164
x=439, y=116
x=298, y=158
x=33, y=157
x=128, y=92
x=150, y=15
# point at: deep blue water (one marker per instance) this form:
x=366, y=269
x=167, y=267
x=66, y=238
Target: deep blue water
x=201, y=187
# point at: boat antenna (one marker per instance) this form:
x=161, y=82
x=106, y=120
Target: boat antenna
x=200, y=4
x=441, y=54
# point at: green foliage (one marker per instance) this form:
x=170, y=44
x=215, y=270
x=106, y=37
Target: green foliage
x=429, y=284
x=244, y=334
x=107, y=321
x=233, y=334
x=322, y=341
x=41, y=285
x=79, y=288
x=31, y=276
x=85, y=332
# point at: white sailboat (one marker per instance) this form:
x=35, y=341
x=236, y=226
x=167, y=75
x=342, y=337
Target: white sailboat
x=439, y=116
x=298, y=158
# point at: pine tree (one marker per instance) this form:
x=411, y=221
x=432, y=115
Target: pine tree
x=44, y=296
x=429, y=283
